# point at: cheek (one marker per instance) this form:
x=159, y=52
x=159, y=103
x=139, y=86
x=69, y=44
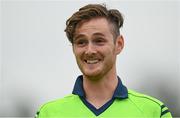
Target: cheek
x=78, y=54
x=110, y=50
x=76, y=51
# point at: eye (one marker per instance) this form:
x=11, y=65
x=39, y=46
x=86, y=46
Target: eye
x=80, y=42
x=99, y=41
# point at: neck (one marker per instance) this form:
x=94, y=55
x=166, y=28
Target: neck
x=99, y=91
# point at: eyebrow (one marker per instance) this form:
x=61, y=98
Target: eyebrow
x=78, y=36
x=99, y=34
x=95, y=34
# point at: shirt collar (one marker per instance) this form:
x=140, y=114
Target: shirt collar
x=120, y=92
x=78, y=87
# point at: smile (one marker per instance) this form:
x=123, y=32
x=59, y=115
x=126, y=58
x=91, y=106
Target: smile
x=92, y=61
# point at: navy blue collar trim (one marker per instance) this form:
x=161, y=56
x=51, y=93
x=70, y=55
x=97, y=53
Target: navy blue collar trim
x=101, y=109
x=78, y=87
x=119, y=93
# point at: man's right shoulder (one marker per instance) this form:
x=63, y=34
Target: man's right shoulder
x=58, y=104
x=61, y=100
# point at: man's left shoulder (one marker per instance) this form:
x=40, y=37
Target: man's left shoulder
x=148, y=103
x=143, y=97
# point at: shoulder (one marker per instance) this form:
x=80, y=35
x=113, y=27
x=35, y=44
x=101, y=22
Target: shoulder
x=139, y=97
x=148, y=104
x=58, y=105
x=60, y=101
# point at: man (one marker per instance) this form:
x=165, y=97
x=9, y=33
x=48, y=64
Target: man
x=99, y=92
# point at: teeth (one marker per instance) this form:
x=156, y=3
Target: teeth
x=92, y=61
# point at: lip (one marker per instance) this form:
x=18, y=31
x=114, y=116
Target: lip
x=92, y=61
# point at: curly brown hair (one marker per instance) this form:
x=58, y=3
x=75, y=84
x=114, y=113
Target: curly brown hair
x=92, y=11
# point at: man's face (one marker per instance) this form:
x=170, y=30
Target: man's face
x=95, y=49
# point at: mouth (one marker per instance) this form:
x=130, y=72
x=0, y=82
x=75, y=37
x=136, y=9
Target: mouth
x=95, y=61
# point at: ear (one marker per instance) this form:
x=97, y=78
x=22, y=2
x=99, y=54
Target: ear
x=119, y=44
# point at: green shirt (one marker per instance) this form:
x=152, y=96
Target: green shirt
x=124, y=103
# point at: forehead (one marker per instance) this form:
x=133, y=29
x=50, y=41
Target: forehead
x=96, y=25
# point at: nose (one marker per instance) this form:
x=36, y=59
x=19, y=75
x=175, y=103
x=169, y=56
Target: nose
x=90, y=49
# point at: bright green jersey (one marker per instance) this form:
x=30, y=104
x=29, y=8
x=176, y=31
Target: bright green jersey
x=129, y=104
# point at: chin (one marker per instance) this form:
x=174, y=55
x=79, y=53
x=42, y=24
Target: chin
x=92, y=75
